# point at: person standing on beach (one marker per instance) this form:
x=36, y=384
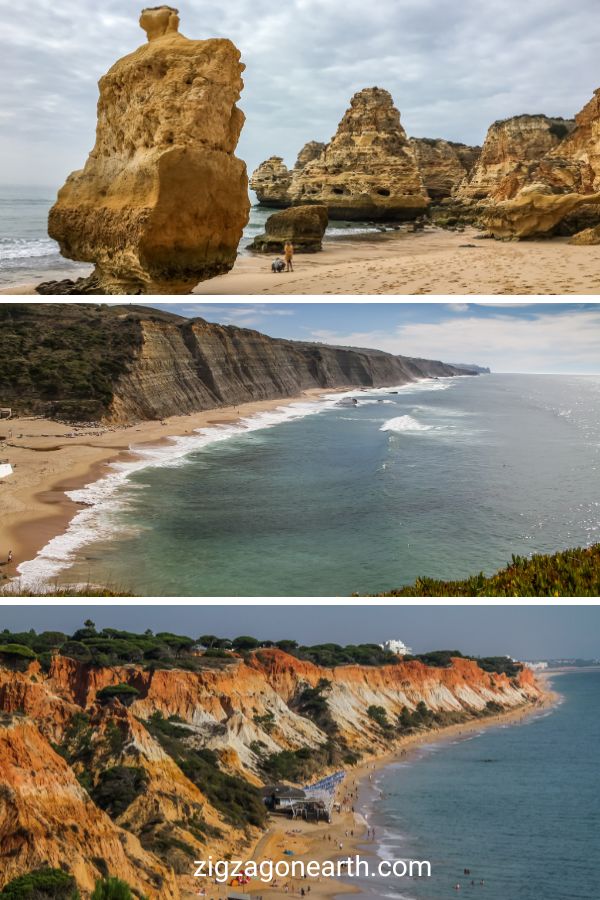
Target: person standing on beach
x=288, y=252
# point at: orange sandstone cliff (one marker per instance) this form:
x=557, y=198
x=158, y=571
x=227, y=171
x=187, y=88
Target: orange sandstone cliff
x=62, y=743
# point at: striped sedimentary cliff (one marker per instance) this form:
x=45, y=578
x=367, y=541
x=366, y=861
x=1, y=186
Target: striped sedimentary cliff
x=59, y=737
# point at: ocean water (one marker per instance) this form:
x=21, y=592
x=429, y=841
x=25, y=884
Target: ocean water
x=27, y=253
x=518, y=805
x=444, y=478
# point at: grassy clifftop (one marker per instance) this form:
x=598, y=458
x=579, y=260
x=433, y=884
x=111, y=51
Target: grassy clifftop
x=570, y=573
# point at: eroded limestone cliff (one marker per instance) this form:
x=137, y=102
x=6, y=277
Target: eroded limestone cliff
x=443, y=164
x=61, y=742
x=510, y=148
x=162, y=200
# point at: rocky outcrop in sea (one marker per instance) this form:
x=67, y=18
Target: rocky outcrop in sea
x=162, y=200
x=303, y=226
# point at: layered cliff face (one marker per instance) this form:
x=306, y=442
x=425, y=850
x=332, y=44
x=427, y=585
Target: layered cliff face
x=510, y=148
x=564, y=186
x=162, y=200
x=140, y=363
x=369, y=169
x=197, y=365
x=443, y=165
x=61, y=745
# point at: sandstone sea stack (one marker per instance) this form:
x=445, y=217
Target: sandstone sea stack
x=162, y=200
x=369, y=170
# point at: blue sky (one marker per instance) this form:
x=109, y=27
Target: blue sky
x=524, y=632
x=452, y=68
x=507, y=337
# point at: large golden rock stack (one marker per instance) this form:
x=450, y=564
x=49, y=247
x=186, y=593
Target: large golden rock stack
x=369, y=170
x=162, y=201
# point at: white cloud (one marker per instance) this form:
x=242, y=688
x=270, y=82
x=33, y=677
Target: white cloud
x=458, y=307
x=453, y=68
x=548, y=342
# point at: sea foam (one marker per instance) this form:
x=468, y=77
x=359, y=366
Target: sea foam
x=102, y=500
x=404, y=423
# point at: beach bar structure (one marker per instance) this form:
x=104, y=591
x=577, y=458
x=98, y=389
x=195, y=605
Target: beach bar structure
x=315, y=801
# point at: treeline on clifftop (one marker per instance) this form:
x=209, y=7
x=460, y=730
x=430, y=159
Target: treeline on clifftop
x=569, y=573
x=164, y=650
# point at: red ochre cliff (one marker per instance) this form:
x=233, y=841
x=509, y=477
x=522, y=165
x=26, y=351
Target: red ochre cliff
x=58, y=740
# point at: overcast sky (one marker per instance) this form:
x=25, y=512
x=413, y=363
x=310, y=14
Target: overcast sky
x=510, y=337
x=523, y=632
x=453, y=68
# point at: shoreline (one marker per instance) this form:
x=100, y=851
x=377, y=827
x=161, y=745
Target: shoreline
x=309, y=841
x=50, y=458
x=433, y=262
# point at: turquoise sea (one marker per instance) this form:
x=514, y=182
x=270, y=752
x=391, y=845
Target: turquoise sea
x=518, y=805
x=443, y=478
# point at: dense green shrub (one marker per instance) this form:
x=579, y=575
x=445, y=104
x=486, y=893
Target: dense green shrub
x=379, y=715
x=118, y=787
x=570, y=573
x=126, y=693
x=112, y=889
x=43, y=884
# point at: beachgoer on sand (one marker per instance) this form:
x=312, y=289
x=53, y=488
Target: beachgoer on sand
x=288, y=252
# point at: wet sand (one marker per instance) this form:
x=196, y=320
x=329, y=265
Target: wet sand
x=49, y=458
x=434, y=262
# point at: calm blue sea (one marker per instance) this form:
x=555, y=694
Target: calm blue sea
x=442, y=478
x=518, y=805
x=27, y=253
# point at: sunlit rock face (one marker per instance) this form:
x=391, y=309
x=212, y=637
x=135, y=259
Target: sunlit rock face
x=511, y=147
x=162, y=200
x=369, y=170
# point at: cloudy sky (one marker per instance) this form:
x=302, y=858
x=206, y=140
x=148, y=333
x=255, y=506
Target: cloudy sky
x=507, y=337
x=453, y=68
x=523, y=632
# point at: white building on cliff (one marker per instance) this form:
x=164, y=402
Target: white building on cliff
x=396, y=646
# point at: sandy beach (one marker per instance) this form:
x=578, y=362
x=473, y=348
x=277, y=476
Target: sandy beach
x=435, y=262
x=310, y=841
x=49, y=458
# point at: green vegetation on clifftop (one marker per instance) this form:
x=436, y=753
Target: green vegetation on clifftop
x=570, y=573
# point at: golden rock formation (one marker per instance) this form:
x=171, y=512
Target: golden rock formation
x=510, y=148
x=162, y=200
x=271, y=182
x=369, y=170
x=589, y=237
x=443, y=164
x=534, y=211
x=304, y=226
